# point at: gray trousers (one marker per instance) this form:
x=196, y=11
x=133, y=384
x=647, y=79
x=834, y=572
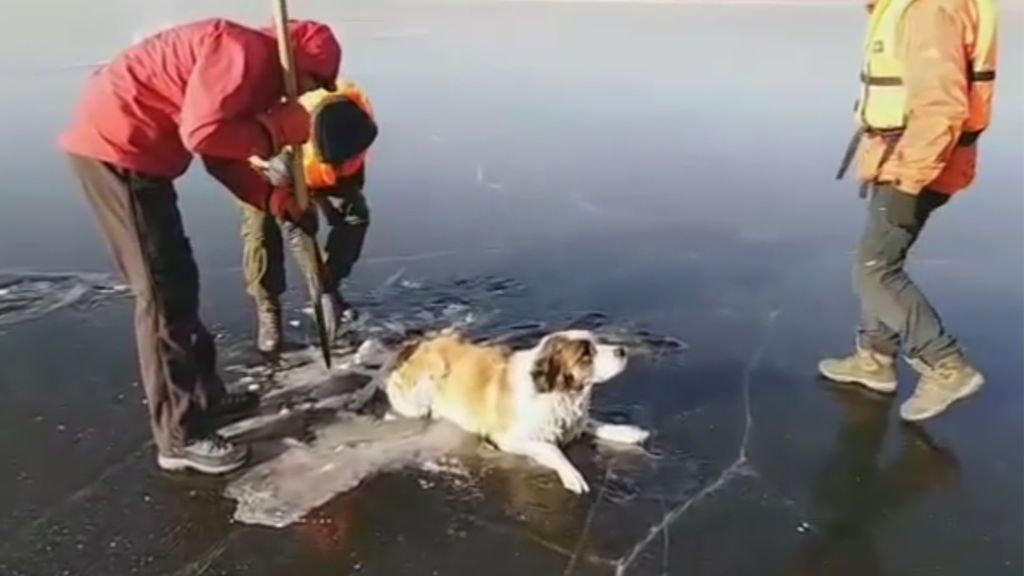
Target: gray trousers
x=894, y=311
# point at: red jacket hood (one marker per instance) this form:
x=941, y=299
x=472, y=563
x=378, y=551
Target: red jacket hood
x=317, y=51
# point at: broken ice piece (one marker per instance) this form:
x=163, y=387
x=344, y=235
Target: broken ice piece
x=294, y=323
x=370, y=352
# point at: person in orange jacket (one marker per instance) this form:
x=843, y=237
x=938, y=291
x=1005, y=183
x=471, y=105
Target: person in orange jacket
x=343, y=128
x=212, y=89
x=928, y=81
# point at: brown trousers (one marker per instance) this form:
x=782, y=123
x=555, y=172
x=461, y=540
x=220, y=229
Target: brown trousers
x=139, y=218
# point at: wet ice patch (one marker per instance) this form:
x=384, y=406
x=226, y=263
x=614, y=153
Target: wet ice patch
x=326, y=447
x=29, y=295
x=283, y=490
x=403, y=305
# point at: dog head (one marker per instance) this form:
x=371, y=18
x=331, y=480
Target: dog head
x=574, y=360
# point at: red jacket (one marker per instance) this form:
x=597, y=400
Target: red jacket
x=195, y=89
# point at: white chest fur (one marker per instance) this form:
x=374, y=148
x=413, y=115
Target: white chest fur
x=556, y=417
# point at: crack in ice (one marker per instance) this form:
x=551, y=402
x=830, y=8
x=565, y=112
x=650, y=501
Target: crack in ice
x=666, y=544
x=739, y=467
x=586, y=525
x=551, y=546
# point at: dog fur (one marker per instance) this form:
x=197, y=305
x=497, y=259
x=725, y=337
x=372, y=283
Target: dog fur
x=526, y=402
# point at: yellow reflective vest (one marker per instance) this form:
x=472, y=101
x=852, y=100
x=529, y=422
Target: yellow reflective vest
x=882, y=106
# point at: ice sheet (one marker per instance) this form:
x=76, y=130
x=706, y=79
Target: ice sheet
x=283, y=490
x=29, y=295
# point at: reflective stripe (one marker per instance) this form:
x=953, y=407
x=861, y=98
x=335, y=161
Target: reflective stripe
x=983, y=75
x=881, y=80
x=976, y=76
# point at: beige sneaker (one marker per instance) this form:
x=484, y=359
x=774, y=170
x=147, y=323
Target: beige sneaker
x=867, y=368
x=951, y=379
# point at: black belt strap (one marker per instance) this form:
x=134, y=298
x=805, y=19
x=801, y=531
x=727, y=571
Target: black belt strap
x=891, y=137
x=890, y=146
x=973, y=75
x=983, y=75
x=881, y=80
x=851, y=149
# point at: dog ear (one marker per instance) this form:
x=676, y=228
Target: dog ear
x=546, y=373
x=562, y=364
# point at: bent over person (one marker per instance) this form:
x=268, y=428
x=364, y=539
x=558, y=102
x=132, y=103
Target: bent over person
x=211, y=88
x=334, y=162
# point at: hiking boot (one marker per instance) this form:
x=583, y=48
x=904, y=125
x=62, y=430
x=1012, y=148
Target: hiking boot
x=342, y=309
x=209, y=455
x=268, y=332
x=951, y=379
x=338, y=314
x=865, y=367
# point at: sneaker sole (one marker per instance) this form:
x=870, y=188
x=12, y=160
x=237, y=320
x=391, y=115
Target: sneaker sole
x=174, y=464
x=885, y=387
x=972, y=387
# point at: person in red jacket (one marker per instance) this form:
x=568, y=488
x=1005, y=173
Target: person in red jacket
x=211, y=88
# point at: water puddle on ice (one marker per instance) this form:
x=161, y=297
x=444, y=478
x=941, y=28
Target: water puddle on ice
x=324, y=440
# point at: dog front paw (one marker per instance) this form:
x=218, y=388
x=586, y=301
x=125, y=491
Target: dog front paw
x=573, y=480
x=623, y=433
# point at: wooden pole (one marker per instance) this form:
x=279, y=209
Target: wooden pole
x=313, y=265
x=291, y=90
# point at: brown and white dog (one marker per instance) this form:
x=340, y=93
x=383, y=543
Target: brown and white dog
x=525, y=402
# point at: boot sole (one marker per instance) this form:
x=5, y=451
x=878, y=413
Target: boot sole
x=884, y=387
x=972, y=387
x=175, y=464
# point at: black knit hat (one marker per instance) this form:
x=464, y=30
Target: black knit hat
x=342, y=130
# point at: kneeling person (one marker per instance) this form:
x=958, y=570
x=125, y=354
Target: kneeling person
x=334, y=158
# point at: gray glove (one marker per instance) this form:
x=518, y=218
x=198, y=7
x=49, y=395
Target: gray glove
x=278, y=171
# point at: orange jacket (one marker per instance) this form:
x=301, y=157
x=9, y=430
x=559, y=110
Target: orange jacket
x=933, y=42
